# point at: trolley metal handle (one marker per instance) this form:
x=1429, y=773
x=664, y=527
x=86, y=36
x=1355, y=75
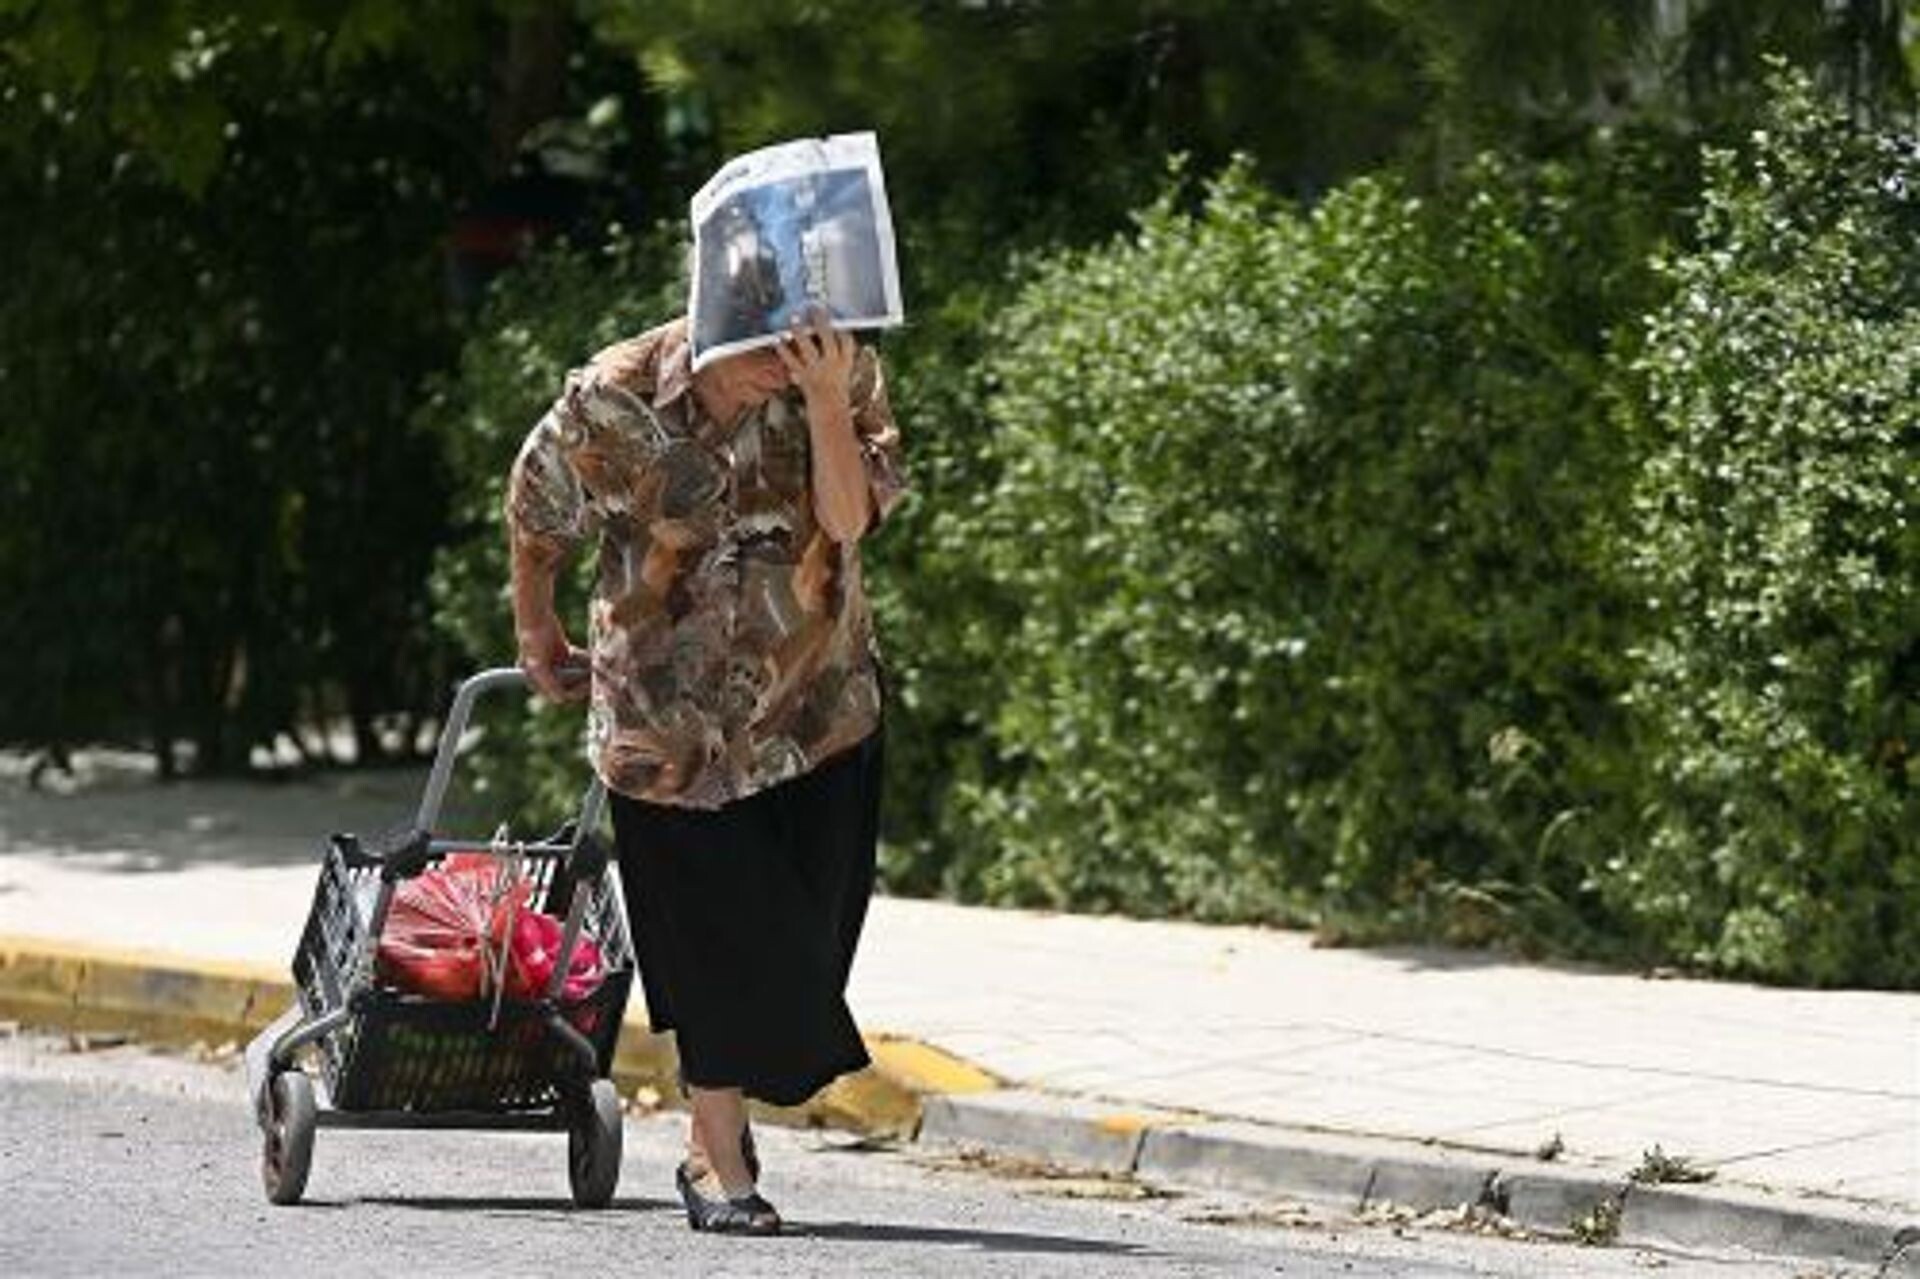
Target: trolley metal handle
x=456, y=726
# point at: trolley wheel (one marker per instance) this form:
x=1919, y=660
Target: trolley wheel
x=288, y=1151
x=593, y=1144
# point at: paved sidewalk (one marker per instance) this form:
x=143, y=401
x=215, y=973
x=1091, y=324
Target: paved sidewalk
x=1807, y=1092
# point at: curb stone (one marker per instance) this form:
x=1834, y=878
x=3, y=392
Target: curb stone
x=1357, y=1171
x=1689, y=1217
x=1550, y=1199
x=1236, y=1155
x=1062, y=1129
x=160, y=998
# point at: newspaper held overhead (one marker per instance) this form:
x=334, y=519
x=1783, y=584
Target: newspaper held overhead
x=786, y=228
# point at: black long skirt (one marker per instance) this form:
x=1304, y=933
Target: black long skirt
x=745, y=919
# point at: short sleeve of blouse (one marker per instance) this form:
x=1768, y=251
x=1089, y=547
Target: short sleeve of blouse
x=546, y=506
x=548, y=502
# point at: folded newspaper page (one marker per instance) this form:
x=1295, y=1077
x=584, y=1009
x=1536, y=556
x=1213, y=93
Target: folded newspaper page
x=787, y=228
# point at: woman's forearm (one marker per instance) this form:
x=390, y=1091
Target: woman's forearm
x=534, y=569
x=545, y=653
x=842, y=500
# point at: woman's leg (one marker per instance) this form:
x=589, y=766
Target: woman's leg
x=698, y=1165
x=719, y=1124
x=720, y=1115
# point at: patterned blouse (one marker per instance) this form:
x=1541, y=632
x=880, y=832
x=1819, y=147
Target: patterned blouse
x=731, y=640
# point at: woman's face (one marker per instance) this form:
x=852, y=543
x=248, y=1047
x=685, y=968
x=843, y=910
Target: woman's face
x=749, y=375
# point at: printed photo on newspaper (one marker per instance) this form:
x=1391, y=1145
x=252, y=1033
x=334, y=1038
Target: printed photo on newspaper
x=787, y=228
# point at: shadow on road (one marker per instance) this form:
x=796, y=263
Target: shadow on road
x=868, y=1232
x=984, y=1240
x=507, y=1204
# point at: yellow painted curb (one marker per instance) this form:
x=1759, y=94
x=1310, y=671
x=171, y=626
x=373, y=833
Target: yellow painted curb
x=926, y=1069
x=173, y=999
x=162, y=997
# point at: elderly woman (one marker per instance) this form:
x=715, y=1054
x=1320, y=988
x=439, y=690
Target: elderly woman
x=735, y=697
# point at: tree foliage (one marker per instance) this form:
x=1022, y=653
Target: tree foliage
x=221, y=521
x=169, y=80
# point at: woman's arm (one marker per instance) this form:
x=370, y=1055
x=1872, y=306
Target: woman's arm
x=552, y=663
x=820, y=362
x=544, y=517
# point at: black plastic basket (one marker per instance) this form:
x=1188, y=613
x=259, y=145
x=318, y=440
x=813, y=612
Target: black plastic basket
x=403, y=1052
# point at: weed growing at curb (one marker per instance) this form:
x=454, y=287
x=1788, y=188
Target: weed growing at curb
x=1658, y=1168
x=1599, y=1227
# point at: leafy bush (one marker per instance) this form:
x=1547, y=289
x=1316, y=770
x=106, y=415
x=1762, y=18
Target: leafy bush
x=941, y=617
x=1776, y=537
x=1300, y=515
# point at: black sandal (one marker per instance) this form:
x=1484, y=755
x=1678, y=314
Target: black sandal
x=748, y=1215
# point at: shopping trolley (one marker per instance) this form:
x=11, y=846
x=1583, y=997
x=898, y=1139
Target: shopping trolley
x=389, y=1059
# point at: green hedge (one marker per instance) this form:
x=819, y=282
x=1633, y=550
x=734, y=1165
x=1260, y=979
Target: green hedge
x=1299, y=511
x=1776, y=538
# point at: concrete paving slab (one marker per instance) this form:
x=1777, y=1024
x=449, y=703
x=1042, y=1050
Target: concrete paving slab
x=1608, y=1127
x=1889, y=1158
x=1888, y=1187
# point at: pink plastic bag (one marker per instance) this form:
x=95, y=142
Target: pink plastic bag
x=438, y=928
x=533, y=949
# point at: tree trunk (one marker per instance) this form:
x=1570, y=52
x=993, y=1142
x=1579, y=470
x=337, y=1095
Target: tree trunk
x=529, y=81
x=162, y=695
x=361, y=709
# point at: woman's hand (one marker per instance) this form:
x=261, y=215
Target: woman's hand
x=557, y=669
x=819, y=359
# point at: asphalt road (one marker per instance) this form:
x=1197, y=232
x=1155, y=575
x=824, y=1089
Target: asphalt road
x=125, y=1162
